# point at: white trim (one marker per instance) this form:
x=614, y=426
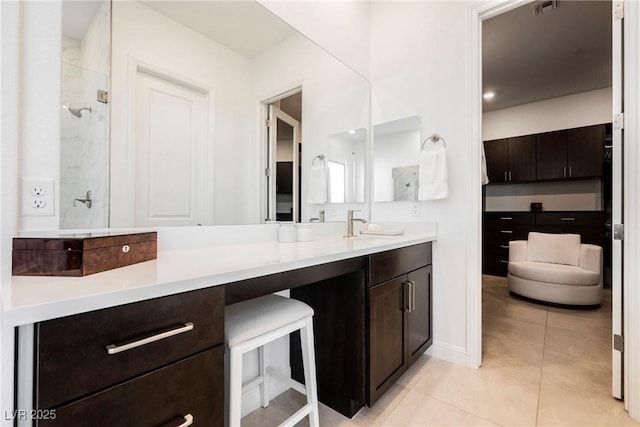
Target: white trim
x=450, y=353
x=631, y=304
x=478, y=13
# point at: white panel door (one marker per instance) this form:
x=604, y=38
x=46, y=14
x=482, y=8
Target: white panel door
x=170, y=136
x=617, y=205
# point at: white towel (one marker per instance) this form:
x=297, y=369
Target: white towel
x=484, y=177
x=433, y=182
x=317, y=190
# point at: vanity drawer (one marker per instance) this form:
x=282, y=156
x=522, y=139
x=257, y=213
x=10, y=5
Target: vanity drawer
x=193, y=387
x=72, y=357
x=584, y=218
x=498, y=219
x=389, y=264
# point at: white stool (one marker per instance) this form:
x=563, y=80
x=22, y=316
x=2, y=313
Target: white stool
x=252, y=324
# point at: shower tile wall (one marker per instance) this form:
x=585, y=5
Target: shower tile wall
x=84, y=142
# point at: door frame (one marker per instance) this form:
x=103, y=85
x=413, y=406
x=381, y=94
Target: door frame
x=264, y=144
x=631, y=245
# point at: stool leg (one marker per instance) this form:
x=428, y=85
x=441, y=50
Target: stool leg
x=264, y=389
x=235, y=387
x=309, y=362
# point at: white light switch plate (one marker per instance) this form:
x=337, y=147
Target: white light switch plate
x=38, y=197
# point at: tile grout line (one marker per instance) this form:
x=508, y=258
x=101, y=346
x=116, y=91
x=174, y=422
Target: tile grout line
x=544, y=348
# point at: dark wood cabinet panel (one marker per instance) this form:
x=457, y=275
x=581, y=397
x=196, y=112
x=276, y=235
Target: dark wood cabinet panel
x=420, y=334
x=522, y=158
x=71, y=352
x=387, y=331
x=585, y=151
x=284, y=177
x=193, y=386
x=551, y=155
x=497, y=155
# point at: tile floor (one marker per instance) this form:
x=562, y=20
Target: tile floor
x=542, y=365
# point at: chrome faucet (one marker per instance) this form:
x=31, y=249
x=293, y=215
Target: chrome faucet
x=350, y=221
x=320, y=219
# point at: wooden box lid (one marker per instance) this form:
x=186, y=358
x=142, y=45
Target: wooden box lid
x=80, y=254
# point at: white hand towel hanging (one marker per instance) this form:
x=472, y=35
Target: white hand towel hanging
x=317, y=190
x=433, y=176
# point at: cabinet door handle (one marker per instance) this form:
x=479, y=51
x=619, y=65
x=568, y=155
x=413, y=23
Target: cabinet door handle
x=506, y=218
x=564, y=171
x=567, y=218
x=505, y=176
x=405, y=296
x=412, y=296
x=504, y=246
x=509, y=175
x=188, y=420
x=118, y=348
x=506, y=231
x=504, y=262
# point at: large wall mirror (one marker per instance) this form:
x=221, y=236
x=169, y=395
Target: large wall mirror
x=190, y=87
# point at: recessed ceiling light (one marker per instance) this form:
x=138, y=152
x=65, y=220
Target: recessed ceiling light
x=488, y=95
x=352, y=131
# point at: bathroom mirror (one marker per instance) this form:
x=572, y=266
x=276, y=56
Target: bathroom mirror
x=396, y=146
x=189, y=85
x=346, y=163
x=84, y=115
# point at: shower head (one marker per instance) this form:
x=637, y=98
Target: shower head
x=77, y=111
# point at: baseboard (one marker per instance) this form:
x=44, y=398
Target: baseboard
x=448, y=352
x=251, y=397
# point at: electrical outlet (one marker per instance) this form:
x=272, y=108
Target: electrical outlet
x=37, y=197
x=414, y=209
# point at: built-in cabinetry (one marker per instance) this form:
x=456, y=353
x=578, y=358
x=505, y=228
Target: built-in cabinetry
x=400, y=327
x=499, y=228
x=156, y=362
x=564, y=154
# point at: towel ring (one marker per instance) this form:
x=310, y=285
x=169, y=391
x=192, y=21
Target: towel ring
x=433, y=138
x=319, y=156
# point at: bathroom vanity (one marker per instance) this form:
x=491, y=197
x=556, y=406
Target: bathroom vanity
x=143, y=344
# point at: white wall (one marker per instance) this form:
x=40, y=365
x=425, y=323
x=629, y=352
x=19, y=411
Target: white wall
x=582, y=109
x=341, y=27
x=420, y=66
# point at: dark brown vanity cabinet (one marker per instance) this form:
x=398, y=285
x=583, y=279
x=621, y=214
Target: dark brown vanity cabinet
x=511, y=159
x=571, y=153
x=400, y=317
x=155, y=362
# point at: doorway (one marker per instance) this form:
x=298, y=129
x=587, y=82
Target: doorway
x=283, y=154
x=542, y=11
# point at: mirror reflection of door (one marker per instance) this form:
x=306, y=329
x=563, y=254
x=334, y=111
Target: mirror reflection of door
x=284, y=151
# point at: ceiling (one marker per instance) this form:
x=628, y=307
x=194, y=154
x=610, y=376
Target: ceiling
x=246, y=27
x=527, y=58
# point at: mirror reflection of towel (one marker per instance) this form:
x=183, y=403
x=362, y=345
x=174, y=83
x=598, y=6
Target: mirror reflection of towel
x=317, y=191
x=433, y=174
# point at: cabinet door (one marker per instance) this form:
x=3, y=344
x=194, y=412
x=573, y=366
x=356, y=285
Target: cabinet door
x=522, y=158
x=387, y=325
x=497, y=155
x=419, y=316
x=585, y=151
x=551, y=155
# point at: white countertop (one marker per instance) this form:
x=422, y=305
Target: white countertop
x=29, y=299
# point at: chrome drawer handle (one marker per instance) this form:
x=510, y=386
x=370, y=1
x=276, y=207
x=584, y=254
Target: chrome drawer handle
x=567, y=219
x=504, y=246
x=188, y=420
x=504, y=262
x=506, y=231
x=114, y=349
x=506, y=218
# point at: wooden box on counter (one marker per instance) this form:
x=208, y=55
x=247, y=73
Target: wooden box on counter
x=80, y=254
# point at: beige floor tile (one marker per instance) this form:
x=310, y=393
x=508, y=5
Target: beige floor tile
x=586, y=325
x=577, y=344
x=487, y=393
x=513, y=330
x=516, y=358
x=413, y=374
x=579, y=372
x=416, y=409
x=562, y=405
x=380, y=410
